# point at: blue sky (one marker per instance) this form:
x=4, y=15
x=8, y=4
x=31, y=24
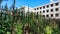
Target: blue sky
x=30, y=3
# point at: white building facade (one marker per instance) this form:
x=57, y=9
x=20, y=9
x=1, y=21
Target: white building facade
x=26, y=9
x=51, y=10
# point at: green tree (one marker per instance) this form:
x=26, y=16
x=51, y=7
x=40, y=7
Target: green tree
x=5, y=23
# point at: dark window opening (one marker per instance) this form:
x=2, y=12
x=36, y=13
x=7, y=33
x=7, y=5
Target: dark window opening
x=47, y=10
x=37, y=8
x=37, y=13
x=51, y=5
x=47, y=6
x=43, y=7
x=56, y=4
x=56, y=9
x=40, y=7
x=56, y=15
x=43, y=11
x=51, y=10
x=51, y=15
x=47, y=15
x=34, y=9
x=43, y=15
x=40, y=11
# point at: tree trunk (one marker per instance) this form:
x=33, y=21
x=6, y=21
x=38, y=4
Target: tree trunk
x=13, y=29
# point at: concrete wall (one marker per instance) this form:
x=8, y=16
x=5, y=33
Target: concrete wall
x=54, y=12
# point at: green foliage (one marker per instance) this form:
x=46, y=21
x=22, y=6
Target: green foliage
x=5, y=26
x=37, y=24
x=19, y=28
x=48, y=30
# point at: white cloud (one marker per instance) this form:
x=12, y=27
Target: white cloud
x=51, y=0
